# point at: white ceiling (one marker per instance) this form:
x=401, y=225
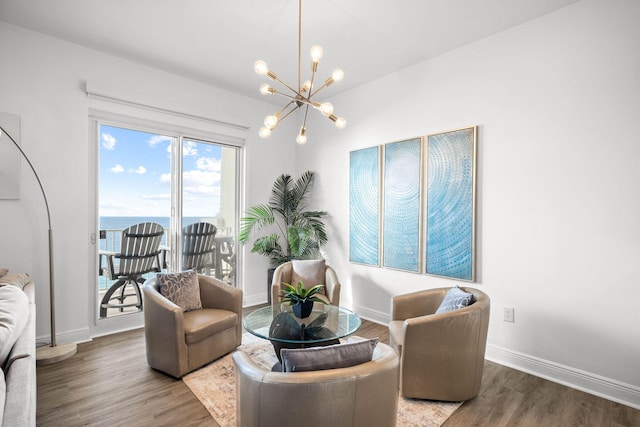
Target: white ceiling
x=217, y=42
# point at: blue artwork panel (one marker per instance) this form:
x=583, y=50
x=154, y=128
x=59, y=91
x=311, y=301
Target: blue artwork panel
x=401, y=212
x=364, y=206
x=450, y=248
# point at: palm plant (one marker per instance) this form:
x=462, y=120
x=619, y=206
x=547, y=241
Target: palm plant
x=298, y=233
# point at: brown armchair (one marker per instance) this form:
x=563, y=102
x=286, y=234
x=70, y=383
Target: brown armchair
x=441, y=355
x=359, y=396
x=179, y=342
x=311, y=272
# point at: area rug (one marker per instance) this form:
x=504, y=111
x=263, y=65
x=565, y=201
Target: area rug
x=215, y=386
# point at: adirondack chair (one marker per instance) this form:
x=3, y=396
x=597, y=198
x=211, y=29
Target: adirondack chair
x=198, y=246
x=139, y=254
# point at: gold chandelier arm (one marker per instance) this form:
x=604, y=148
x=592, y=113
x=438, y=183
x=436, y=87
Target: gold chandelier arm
x=325, y=85
x=314, y=68
x=304, y=122
x=284, y=108
x=273, y=76
x=293, y=98
x=280, y=119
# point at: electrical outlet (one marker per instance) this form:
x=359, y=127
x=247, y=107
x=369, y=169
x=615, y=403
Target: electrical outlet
x=508, y=314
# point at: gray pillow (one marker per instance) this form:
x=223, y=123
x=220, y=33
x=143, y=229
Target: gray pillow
x=454, y=299
x=182, y=289
x=328, y=357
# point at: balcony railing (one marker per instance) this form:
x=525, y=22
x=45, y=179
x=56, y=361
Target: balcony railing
x=222, y=264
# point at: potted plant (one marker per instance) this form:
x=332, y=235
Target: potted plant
x=300, y=299
x=296, y=233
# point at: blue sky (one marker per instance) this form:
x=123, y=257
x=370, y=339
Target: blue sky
x=135, y=175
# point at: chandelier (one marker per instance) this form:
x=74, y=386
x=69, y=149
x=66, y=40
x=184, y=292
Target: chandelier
x=302, y=96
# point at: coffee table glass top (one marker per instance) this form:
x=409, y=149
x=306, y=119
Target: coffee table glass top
x=326, y=323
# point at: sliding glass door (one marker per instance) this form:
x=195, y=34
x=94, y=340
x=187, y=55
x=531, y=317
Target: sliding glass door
x=208, y=193
x=173, y=180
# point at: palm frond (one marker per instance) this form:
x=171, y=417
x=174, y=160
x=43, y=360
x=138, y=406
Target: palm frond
x=301, y=188
x=255, y=218
x=299, y=240
x=268, y=245
x=320, y=231
x=280, y=195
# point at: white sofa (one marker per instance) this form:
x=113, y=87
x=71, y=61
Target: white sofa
x=17, y=350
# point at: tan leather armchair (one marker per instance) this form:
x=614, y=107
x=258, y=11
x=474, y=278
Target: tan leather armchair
x=285, y=273
x=360, y=396
x=441, y=355
x=179, y=342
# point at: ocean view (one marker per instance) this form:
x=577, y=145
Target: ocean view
x=122, y=222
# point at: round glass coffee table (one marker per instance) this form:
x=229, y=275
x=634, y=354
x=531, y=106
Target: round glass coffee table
x=325, y=326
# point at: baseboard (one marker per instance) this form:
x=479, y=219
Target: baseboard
x=77, y=336
x=606, y=388
x=372, y=315
x=255, y=299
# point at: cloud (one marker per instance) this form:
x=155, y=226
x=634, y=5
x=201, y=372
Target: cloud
x=189, y=148
x=205, y=180
x=164, y=196
x=208, y=164
x=108, y=141
x=157, y=139
x=201, y=182
x=140, y=171
x=117, y=169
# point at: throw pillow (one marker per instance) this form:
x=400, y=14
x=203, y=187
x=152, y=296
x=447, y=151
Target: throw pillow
x=310, y=271
x=328, y=357
x=182, y=289
x=454, y=299
x=3, y=271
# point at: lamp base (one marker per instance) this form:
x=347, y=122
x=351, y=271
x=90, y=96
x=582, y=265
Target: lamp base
x=47, y=355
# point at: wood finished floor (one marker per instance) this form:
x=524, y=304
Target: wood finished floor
x=108, y=383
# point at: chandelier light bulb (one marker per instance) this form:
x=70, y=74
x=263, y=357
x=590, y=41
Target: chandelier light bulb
x=260, y=67
x=341, y=123
x=306, y=86
x=302, y=138
x=265, y=89
x=326, y=108
x=316, y=53
x=264, y=132
x=337, y=75
x=270, y=122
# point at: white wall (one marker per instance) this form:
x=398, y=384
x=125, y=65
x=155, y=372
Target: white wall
x=556, y=101
x=42, y=80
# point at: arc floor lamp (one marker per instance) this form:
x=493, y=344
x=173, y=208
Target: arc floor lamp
x=54, y=352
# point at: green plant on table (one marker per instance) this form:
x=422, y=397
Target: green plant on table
x=298, y=294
